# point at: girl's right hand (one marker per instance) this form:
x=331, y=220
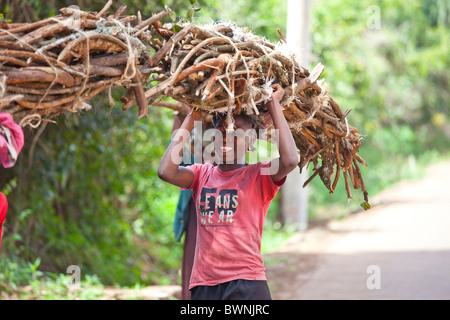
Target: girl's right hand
x=193, y=112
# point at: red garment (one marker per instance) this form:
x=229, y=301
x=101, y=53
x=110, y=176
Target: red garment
x=231, y=209
x=11, y=140
x=3, y=209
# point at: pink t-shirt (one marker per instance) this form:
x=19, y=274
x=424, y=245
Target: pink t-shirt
x=3, y=210
x=231, y=209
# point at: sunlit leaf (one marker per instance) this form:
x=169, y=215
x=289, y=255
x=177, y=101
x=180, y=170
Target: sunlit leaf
x=365, y=205
x=173, y=16
x=176, y=28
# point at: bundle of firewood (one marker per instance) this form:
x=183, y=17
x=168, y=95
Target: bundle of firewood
x=56, y=65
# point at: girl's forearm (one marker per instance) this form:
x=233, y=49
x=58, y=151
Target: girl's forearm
x=172, y=157
x=286, y=144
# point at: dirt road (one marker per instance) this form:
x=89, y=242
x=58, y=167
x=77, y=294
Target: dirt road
x=400, y=249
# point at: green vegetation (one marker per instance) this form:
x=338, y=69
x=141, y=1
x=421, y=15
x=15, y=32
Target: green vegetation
x=85, y=190
x=395, y=79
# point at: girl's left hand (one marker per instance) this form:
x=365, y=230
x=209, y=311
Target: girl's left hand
x=278, y=93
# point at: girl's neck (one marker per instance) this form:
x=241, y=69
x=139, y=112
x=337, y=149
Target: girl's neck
x=224, y=167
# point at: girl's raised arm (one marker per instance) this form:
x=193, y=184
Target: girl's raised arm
x=286, y=145
x=169, y=169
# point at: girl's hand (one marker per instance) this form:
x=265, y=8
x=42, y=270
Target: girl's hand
x=278, y=93
x=193, y=112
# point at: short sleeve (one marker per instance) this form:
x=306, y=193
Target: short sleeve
x=3, y=207
x=269, y=188
x=197, y=169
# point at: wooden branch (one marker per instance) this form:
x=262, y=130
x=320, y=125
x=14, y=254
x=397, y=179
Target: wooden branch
x=41, y=74
x=140, y=96
x=44, y=32
x=153, y=19
x=171, y=43
x=105, y=9
x=218, y=63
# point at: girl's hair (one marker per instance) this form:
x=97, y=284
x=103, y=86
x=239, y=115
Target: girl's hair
x=251, y=119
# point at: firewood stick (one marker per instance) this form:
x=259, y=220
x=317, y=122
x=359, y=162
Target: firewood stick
x=347, y=185
x=100, y=70
x=329, y=129
x=119, y=12
x=313, y=156
x=25, y=90
x=149, y=93
x=209, y=85
x=27, y=27
x=336, y=108
x=128, y=95
x=44, y=32
x=363, y=187
x=360, y=160
x=111, y=60
x=78, y=13
x=206, y=55
x=281, y=35
x=157, y=57
x=13, y=46
x=34, y=56
x=174, y=106
x=190, y=54
x=107, y=44
x=354, y=177
x=105, y=9
x=153, y=19
x=215, y=91
x=14, y=61
x=311, y=139
x=311, y=178
x=46, y=105
x=43, y=74
x=140, y=96
x=338, y=166
x=218, y=63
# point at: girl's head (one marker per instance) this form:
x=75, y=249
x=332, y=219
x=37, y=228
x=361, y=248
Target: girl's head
x=231, y=146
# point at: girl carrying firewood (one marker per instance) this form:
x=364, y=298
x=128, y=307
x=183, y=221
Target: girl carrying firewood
x=232, y=199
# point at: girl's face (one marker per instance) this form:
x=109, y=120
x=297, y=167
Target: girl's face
x=231, y=147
